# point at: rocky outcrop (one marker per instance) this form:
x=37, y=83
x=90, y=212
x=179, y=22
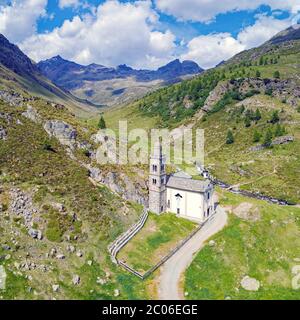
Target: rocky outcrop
x=65, y=133
x=282, y=140
x=276, y=141
x=32, y=114
x=216, y=95
x=284, y=90
x=21, y=205
x=13, y=98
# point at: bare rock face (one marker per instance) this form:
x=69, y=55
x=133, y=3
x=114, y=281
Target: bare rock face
x=216, y=95
x=250, y=284
x=65, y=133
x=123, y=185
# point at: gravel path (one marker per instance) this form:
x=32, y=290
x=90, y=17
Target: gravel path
x=169, y=281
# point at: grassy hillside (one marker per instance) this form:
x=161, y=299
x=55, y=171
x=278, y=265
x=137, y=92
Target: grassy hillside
x=226, y=99
x=93, y=216
x=261, y=241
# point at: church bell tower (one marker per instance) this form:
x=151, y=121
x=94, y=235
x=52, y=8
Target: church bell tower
x=157, y=181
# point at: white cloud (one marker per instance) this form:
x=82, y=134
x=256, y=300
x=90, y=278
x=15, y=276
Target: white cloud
x=68, y=3
x=207, y=10
x=18, y=20
x=209, y=50
x=264, y=29
x=117, y=33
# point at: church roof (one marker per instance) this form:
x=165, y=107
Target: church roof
x=188, y=184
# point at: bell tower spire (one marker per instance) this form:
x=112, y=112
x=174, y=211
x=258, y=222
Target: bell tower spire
x=157, y=181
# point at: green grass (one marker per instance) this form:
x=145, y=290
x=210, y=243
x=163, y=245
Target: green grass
x=271, y=171
x=158, y=237
x=266, y=249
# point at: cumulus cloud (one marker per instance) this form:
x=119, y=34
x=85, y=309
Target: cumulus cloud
x=18, y=20
x=117, y=33
x=209, y=50
x=207, y=10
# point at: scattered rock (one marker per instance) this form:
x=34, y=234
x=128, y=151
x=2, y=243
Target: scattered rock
x=101, y=281
x=212, y=243
x=58, y=206
x=90, y=262
x=60, y=256
x=22, y=206
x=32, y=114
x=79, y=254
x=55, y=288
x=76, y=280
x=250, y=284
x=71, y=248
x=35, y=234
x=116, y=293
x=3, y=133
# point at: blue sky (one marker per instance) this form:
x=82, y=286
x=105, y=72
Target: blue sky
x=144, y=33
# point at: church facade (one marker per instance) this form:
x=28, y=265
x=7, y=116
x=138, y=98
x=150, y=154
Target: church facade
x=178, y=193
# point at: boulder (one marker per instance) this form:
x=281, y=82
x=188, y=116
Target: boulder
x=250, y=284
x=62, y=131
x=55, y=288
x=116, y=293
x=76, y=280
x=35, y=234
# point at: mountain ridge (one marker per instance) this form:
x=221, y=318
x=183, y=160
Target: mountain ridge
x=18, y=71
x=107, y=85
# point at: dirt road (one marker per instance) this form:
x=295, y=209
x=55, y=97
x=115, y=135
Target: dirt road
x=169, y=282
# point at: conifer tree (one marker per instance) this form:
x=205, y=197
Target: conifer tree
x=230, y=137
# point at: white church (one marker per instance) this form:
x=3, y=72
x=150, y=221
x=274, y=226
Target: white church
x=178, y=193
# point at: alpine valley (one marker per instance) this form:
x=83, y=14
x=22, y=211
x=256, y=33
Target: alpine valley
x=60, y=209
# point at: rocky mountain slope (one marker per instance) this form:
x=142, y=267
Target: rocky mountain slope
x=59, y=210
x=109, y=86
x=18, y=72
